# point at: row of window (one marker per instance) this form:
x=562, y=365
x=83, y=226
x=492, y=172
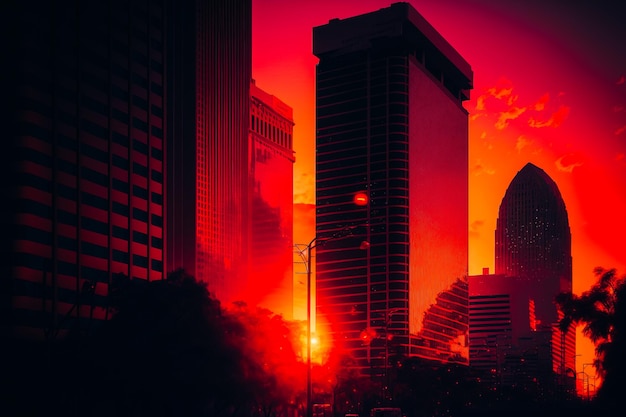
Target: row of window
x=29, y=260
x=44, y=237
x=33, y=155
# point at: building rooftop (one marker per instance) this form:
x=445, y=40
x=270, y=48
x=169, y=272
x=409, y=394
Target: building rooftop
x=399, y=20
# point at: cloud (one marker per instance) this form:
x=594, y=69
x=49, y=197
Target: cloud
x=304, y=189
x=619, y=157
x=618, y=108
x=475, y=227
x=568, y=162
x=541, y=103
x=521, y=143
x=621, y=80
x=479, y=169
x=620, y=130
x=505, y=116
x=480, y=102
x=555, y=120
x=500, y=93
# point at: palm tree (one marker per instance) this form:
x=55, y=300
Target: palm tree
x=602, y=312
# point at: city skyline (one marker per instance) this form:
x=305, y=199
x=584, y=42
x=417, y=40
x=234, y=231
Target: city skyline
x=544, y=92
x=501, y=120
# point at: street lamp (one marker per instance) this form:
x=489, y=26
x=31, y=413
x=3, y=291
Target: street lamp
x=390, y=313
x=309, y=405
x=587, y=377
x=315, y=242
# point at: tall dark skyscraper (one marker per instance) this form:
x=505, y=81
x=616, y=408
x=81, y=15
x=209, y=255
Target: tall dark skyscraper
x=533, y=242
x=83, y=158
x=391, y=124
x=209, y=73
x=533, y=239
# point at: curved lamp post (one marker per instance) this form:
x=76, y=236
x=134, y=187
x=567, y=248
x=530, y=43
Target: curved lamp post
x=315, y=242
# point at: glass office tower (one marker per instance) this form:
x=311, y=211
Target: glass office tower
x=209, y=73
x=391, y=124
x=533, y=242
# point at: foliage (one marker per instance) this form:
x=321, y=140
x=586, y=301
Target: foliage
x=169, y=349
x=602, y=312
x=278, y=377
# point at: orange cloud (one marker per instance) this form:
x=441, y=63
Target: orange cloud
x=521, y=143
x=500, y=93
x=541, y=103
x=505, y=116
x=479, y=169
x=555, y=120
x=480, y=102
x=304, y=189
x=568, y=162
x=475, y=227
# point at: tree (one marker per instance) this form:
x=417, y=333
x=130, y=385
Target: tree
x=269, y=342
x=168, y=350
x=602, y=311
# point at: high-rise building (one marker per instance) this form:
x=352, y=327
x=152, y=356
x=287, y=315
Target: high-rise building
x=83, y=158
x=533, y=242
x=505, y=342
x=209, y=73
x=271, y=174
x=391, y=125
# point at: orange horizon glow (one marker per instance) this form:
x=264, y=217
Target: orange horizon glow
x=544, y=92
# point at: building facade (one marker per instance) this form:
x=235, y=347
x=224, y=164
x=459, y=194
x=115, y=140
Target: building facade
x=83, y=164
x=271, y=190
x=391, y=125
x=208, y=152
x=533, y=243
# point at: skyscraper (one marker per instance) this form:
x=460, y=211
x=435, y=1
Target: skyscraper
x=209, y=73
x=533, y=239
x=83, y=158
x=271, y=243
x=391, y=124
x=533, y=242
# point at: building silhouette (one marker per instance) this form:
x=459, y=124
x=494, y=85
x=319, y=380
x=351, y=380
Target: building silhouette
x=83, y=160
x=533, y=242
x=209, y=73
x=515, y=309
x=533, y=238
x=391, y=125
x=505, y=342
x=271, y=190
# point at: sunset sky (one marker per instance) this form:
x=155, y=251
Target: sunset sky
x=549, y=88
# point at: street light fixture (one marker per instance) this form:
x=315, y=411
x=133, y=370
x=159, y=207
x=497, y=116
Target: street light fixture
x=587, y=377
x=390, y=313
x=315, y=242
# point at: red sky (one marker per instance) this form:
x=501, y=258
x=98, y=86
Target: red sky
x=549, y=88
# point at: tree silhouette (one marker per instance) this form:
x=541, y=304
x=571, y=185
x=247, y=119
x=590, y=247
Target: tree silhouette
x=275, y=375
x=166, y=351
x=602, y=311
